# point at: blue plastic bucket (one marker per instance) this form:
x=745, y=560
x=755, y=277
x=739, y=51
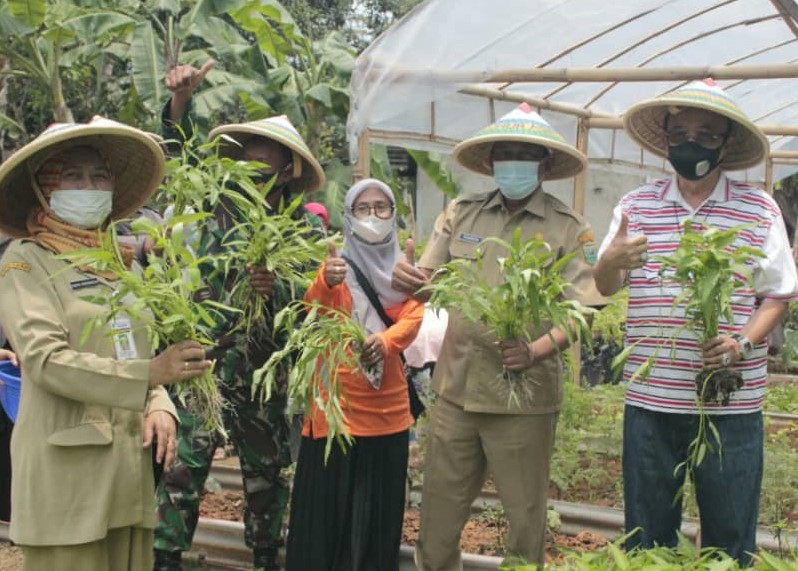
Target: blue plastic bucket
x=10, y=388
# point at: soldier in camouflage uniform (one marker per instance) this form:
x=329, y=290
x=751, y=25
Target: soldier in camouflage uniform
x=258, y=432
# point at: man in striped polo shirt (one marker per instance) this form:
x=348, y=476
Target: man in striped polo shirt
x=702, y=132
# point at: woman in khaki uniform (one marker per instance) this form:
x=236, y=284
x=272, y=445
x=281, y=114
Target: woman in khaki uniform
x=82, y=492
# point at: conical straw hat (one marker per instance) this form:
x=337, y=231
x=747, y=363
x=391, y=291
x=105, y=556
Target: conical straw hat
x=135, y=158
x=645, y=123
x=524, y=125
x=308, y=174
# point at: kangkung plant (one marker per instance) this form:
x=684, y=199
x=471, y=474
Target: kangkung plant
x=683, y=556
x=166, y=297
x=708, y=270
x=197, y=177
x=257, y=235
x=274, y=239
x=321, y=343
x=527, y=303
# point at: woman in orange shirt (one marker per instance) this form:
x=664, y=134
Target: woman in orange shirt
x=347, y=514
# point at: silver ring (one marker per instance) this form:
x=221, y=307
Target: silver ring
x=725, y=359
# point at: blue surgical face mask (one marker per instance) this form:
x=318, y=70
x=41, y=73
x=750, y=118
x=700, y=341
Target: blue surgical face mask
x=516, y=179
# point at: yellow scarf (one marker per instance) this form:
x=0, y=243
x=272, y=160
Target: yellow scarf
x=61, y=238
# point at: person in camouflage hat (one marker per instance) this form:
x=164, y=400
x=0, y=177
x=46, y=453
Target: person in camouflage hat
x=259, y=433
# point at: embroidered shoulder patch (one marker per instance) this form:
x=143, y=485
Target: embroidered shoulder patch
x=591, y=253
x=24, y=266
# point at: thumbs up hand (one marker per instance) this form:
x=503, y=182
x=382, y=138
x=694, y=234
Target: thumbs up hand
x=626, y=252
x=406, y=277
x=334, y=266
x=410, y=252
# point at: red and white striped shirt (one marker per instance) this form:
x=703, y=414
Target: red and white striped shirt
x=655, y=321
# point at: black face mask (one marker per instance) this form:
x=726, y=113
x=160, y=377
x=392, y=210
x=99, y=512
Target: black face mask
x=692, y=161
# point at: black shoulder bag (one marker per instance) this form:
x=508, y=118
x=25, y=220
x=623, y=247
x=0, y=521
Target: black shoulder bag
x=416, y=406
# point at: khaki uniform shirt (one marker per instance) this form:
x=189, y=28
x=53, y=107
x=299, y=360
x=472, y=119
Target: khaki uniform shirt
x=77, y=457
x=469, y=368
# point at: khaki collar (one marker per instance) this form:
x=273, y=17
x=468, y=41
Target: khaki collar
x=536, y=204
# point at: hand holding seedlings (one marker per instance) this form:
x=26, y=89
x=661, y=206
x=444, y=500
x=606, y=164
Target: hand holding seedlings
x=334, y=266
x=262, y=280
x=177, y=363
x=626, y=252
x=517, y=354
x=373, y=351
x=407, y=278
x=719, y=352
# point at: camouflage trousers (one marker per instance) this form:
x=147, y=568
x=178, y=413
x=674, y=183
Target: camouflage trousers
x=260, y=435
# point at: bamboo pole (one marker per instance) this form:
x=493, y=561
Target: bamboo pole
x=410, y=136
x=363, y=167
x=789, y=13
x=582, y=134
x=599, y=75
x=617, y=123
x=539, y=102
x=769, y=176
x=784, y=154
x=580, y=180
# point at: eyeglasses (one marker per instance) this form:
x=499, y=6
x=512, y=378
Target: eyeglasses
x=383, y=210
x=704, y=138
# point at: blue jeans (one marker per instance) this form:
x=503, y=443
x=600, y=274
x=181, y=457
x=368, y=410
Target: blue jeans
x=727, y=487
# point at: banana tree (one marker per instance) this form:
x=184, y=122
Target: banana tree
x=45, y=37
x=171, y=32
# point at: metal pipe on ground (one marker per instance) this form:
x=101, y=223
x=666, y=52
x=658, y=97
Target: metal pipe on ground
x=220, y=545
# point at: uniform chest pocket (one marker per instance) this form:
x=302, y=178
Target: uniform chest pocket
x=89, y=434
x=463, y=250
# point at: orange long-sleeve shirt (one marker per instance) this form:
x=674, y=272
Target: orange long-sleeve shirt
x=370, y=412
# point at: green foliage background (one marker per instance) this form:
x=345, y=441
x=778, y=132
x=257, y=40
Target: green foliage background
x=68, y=61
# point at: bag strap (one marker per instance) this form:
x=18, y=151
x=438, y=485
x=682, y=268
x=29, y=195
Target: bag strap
x=368, y=289
x=416, y=404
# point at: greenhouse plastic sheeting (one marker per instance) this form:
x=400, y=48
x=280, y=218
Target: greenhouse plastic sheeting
x=421, y=110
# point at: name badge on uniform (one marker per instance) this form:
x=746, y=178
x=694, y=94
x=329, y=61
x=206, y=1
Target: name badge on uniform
x=124, y=344
x=470, y=238
x=83, y=283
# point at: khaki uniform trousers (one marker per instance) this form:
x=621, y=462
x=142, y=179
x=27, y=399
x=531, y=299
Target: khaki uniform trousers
x=123, y=549
x=462, y=446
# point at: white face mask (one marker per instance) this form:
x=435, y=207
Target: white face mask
x=372, y=229
x=82, y=208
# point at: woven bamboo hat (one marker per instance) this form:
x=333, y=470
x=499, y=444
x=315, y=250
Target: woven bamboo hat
x=308, y=174
x=134, y=157
x=645, y=123
x=523, y=125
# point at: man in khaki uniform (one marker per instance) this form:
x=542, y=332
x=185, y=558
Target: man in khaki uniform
x=471, y=429
x=91, y=405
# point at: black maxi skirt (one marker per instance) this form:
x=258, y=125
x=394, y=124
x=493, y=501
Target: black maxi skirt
x=348, y=515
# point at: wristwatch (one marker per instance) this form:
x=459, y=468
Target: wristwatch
x=744, y=344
